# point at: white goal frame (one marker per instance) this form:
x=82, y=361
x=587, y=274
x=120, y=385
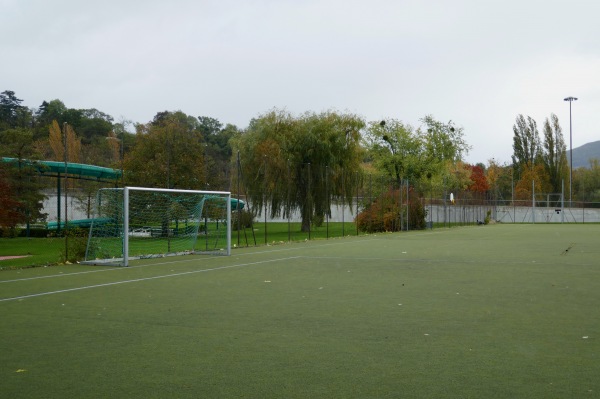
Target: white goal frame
x=125, y=234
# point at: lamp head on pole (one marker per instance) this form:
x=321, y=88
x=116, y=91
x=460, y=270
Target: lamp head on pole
x=571, y=99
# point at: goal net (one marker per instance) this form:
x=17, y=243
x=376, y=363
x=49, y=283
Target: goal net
x=137, y=222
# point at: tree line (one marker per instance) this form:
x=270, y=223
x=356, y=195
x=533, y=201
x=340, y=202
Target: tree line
x=541, y=157
x=287, y=163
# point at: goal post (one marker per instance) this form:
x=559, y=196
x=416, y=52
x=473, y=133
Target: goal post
x=139, y=222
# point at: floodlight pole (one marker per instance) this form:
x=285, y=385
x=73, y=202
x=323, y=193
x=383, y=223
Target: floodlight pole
x=570, y=100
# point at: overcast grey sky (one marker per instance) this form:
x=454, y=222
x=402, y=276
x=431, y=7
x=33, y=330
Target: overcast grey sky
x=478, y=63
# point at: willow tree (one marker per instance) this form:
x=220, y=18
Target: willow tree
x=300, y=163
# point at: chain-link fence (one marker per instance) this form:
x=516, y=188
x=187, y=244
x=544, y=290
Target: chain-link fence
x=363, y=203
x=462, y=212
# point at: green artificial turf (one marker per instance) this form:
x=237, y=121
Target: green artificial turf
x=499, y=311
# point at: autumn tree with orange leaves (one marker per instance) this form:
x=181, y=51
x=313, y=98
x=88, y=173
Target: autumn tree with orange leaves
x=479, y=181
x=536, y=174
x=58, y=144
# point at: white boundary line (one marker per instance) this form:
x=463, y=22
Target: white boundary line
x=442, y=261
x=146, y=279
x=101, y=269
x=185, y=259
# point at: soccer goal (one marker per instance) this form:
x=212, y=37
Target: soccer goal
x=137, y=222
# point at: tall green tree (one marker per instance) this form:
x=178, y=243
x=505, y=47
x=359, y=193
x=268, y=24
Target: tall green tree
x=555, y=153
x=443, y=141
x=526, y=144
x=586, y=182
x=209, y=126
x=425, y=156
x=12, y=113
x=300, y=163
x=218, y=150
x=168, y=153
x=49, y=111
x=445, y=147
x=91, y=125
x=396, y=149
x=417, y=155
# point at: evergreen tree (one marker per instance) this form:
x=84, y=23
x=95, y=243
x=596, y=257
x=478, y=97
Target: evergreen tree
x=12, y=113
x=526, y=144
x=555, y=153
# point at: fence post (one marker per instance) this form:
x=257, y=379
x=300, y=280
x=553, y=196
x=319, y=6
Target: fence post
x=370, y=201
x=265, y=195
x=407, y=205
x=356, y=211
x=309, y=203
x=328, y=202
x=343, y=204
x=288, y=202
x=562, y=202
x=533, y=194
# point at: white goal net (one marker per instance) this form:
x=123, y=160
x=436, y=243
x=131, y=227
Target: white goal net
x=137, y=222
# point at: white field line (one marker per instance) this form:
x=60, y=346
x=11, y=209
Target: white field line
x=355, y=258
x=186, y=259
x=146, y=279
x=101, y=269
x=403, y=260
x=442, y=261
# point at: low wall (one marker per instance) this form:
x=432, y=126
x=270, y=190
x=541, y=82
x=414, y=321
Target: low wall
x=511, y=214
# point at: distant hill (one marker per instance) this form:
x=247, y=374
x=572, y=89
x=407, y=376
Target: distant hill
x=583, y=154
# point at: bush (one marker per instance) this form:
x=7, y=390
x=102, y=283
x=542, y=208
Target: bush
x=34, y=232
x=245, y=217
x=385, y=214
x=488, y=217
x=9, y=232
x=76, y=245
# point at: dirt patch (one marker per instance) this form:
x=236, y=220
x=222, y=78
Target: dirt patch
x=12, y=257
